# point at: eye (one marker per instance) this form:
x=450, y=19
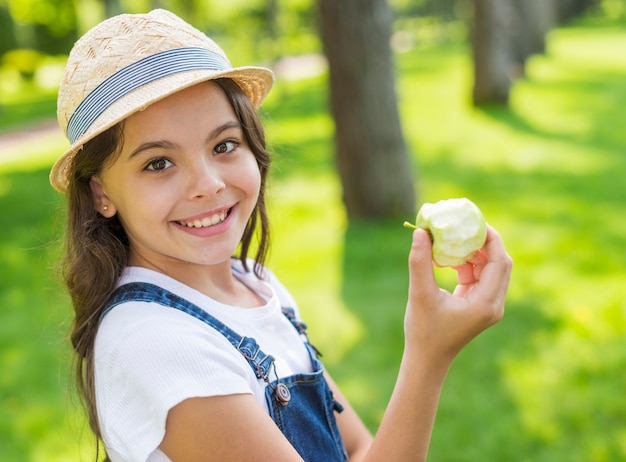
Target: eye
x=225, y=147
x=156, y=165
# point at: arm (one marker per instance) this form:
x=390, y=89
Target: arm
x=224, y=428
x=437, y=326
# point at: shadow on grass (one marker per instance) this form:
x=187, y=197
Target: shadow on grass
x=476, y=403
x=585, y=119
x=545, y=384
x=560, y=349
x=502, y=399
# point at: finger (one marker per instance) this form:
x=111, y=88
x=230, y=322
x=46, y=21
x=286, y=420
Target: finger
x=466, y=274
x=422, y=278
x=495, y=274
x=478, y=259
x=469, y=272
x=493, y=247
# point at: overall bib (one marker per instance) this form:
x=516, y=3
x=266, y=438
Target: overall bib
x=301, y=405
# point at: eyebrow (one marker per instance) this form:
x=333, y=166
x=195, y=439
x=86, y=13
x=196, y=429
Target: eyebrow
x=165, y=144
x=151, y=145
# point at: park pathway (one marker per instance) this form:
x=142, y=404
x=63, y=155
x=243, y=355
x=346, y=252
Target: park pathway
x=13, y=141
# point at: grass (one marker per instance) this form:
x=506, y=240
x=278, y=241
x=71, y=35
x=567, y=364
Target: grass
x=545, y=384
x=24, y=102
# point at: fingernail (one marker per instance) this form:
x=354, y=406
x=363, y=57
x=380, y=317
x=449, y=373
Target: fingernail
x=418, y=237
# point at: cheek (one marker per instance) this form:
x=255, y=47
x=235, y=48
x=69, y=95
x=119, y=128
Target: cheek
x=139, y=209
x=257, y=181
x=252, y=177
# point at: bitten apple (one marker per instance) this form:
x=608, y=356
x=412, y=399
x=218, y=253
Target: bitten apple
x=457, y=229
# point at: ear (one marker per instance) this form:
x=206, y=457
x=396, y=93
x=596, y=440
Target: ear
x=102, y=203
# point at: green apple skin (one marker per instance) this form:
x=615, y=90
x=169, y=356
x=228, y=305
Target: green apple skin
x=457, y=228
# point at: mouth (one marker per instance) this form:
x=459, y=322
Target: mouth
x=206, y=222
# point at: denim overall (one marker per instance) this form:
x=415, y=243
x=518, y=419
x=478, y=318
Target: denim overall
x=301, y=405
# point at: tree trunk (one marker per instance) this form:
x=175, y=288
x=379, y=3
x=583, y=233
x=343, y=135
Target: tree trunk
x=537, y=18
x=112, y=8
x=568, y=9
x=505, y=33
x=496, y=59
x=371, y=153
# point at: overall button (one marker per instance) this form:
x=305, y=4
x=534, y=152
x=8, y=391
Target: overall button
x=282, y=393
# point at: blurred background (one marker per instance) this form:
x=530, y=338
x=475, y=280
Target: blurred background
x=378, y=107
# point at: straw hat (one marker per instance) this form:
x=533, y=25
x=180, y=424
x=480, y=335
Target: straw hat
x=129, y=62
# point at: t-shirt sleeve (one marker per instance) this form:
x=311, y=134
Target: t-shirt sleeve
x=148, y=358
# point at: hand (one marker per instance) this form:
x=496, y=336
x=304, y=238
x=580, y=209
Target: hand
x=438, y=324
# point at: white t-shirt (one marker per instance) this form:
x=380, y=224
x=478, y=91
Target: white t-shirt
x=149, y=358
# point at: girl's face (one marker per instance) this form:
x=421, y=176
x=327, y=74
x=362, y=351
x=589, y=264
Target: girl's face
x=185, y=182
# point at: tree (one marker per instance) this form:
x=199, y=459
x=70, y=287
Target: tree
x=505, y=33
x=537, y=17
x=568, y=9
x=371, y=153
x=47, y=26
x=495, y=57
x=112, y=8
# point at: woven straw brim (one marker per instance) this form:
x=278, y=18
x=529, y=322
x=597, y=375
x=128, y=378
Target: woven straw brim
x=254, y=81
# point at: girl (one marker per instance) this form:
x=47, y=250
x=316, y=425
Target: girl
x=184, y=352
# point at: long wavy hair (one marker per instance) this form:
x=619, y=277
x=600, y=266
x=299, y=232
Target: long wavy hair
x=97, y=248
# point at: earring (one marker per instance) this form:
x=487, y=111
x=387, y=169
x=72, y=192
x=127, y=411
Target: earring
x=105, y=207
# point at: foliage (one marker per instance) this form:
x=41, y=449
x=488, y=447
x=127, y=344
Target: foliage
x=43, y=25
x=545, y=384
x=23, y=61
x=26, y=100
x=58, y=16
x=250, y=31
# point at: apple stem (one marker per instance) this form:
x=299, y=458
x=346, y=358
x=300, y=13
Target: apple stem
x=406, y=224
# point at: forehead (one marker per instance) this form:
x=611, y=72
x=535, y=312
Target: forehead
x=185, y=121
x=201, y=103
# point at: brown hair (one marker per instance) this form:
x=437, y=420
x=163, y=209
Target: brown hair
x=97, y=249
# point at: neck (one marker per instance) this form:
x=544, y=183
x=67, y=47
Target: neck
x=215, y=281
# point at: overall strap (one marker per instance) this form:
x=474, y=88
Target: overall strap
x=300, y=326
x=291, y=315
x=144, y=292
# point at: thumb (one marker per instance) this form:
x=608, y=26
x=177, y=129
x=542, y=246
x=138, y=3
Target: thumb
x=422, y=283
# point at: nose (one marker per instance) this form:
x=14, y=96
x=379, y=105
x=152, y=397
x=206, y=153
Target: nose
x=205, y=179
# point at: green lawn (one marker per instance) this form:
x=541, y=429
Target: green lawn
x=546, y=384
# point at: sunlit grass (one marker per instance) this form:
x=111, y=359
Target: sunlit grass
x=23, y=102
x=544, y=385
x=549, y=174
x=308, y=221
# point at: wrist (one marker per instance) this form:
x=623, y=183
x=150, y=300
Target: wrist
x=427, y=363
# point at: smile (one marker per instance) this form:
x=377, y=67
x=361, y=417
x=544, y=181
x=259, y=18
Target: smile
x=206, y=221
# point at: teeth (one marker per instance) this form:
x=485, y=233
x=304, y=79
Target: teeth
x=205, y=222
